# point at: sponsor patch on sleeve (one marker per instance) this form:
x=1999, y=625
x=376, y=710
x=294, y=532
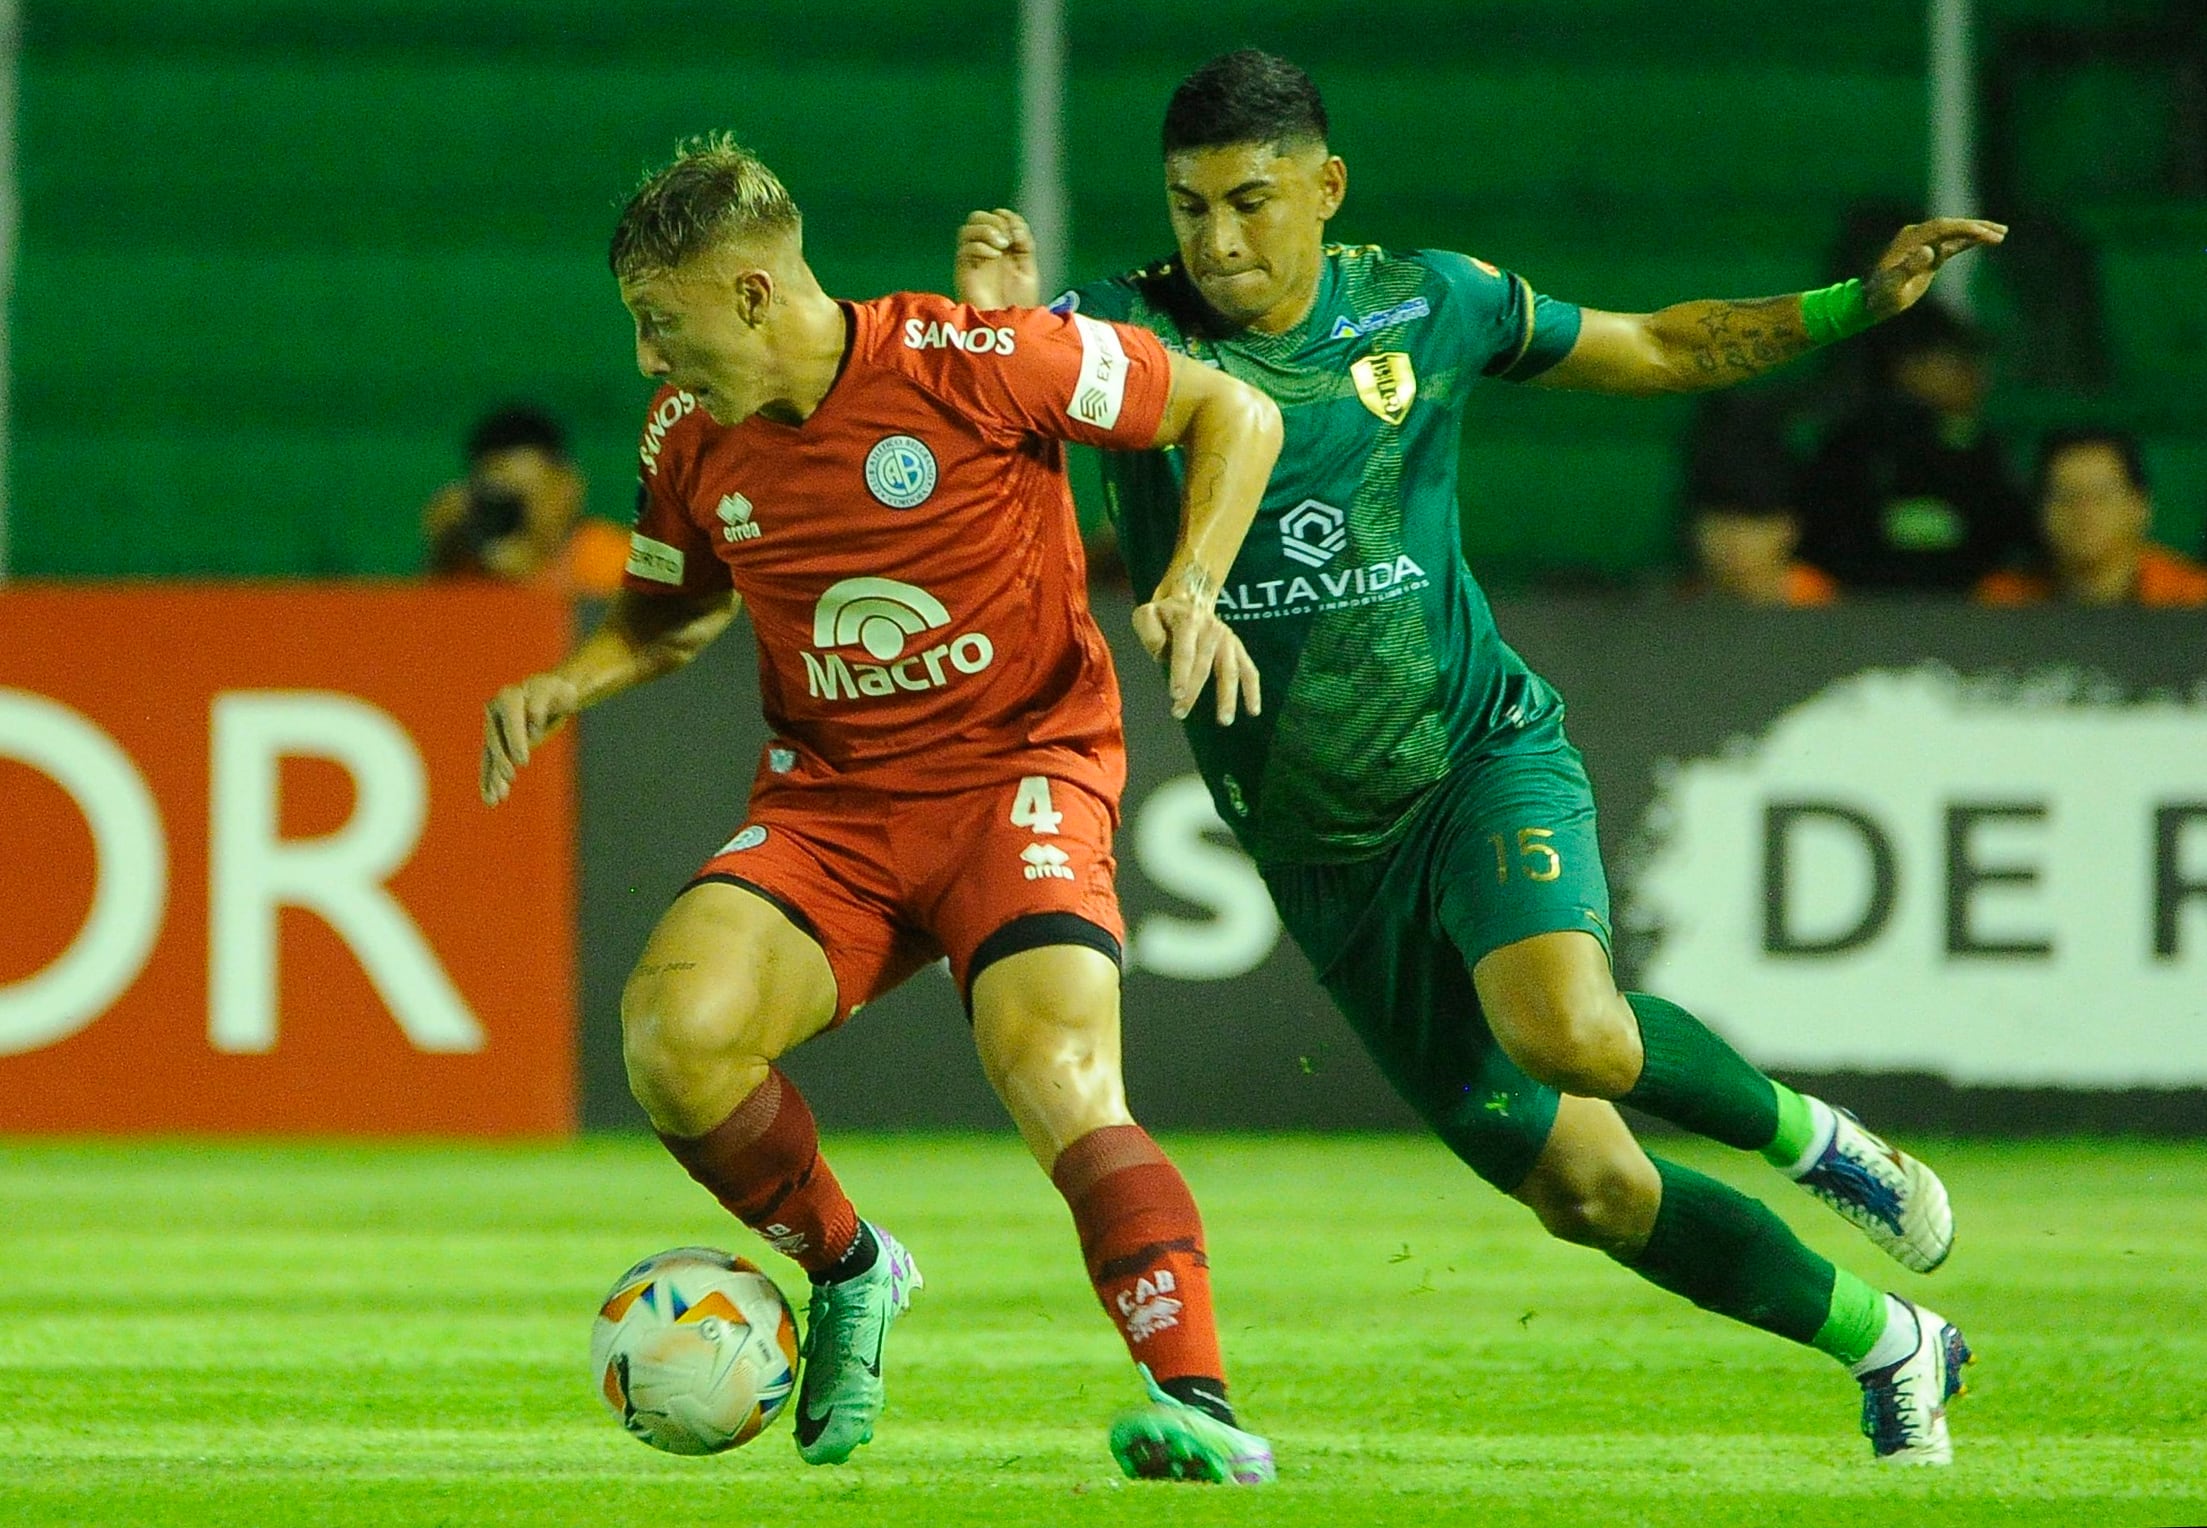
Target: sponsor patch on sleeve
x=1100, y=389
x=655, y=560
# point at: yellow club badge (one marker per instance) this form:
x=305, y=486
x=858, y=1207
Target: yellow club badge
x=1387, y=383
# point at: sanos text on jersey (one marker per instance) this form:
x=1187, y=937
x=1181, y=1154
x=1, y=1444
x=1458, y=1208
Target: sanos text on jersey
x=1275, y=597
x=921, y=335
x=670, y=412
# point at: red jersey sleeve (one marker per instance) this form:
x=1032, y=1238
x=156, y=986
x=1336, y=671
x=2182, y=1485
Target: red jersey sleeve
x=667, y=552
x=1063, y=375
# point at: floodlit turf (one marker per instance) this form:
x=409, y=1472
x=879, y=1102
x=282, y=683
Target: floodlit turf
x=272, y=1336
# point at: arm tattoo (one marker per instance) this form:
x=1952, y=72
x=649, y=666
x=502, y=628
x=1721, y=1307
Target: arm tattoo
x=1881, y=290
x=1206, y=473
x=1728, y=342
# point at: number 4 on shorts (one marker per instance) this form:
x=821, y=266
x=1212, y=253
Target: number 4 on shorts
x=1031, y=808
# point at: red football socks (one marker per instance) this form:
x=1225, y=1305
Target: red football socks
x=763, y=1163
x=1142, y=1238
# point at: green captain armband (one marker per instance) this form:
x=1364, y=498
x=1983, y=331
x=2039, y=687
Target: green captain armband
x=1835, y=312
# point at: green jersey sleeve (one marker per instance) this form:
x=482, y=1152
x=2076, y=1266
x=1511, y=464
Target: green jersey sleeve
x=1506, y=329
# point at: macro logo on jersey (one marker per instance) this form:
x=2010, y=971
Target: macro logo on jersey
x=1313, y=533
x=881, y=617
x=1387, y=383
x=1347, y=328
x=671, y=412
x=749, y=838
x=1100, y=390
x=735, y=518
x=921, y=335
x=900, y=471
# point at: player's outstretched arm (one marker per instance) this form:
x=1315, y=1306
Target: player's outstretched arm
x=1691, y=346
x=1229, y=434
x=641, y=638
x=995, y=264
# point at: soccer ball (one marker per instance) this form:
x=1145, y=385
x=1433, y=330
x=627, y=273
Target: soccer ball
x=695, y=1351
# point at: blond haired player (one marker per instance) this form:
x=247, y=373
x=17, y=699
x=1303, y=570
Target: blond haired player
x=883, y=484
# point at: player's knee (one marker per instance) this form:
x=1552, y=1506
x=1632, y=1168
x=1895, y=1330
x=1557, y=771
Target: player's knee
x=1045, y=1056
x=1606, y=1205
x=1056, y=1067
x=1587, y=1044
x=678, y=1042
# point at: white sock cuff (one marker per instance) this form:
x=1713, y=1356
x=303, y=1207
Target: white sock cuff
x=1895, y=1343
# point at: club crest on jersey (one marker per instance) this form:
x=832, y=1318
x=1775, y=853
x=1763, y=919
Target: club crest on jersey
x=735, y=518
x=1313, y=533
x=1387, y=383
x=900, y=471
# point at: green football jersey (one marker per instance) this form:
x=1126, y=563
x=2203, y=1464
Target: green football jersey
x=1379, y=655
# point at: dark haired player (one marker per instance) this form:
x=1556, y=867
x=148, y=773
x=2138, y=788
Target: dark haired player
x=1423, y=824
x=882, y=483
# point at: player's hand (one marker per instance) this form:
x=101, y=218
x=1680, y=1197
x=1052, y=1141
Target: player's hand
x=995, y=266
x=517, y=719
x=1186, y=634
x=1903, y=273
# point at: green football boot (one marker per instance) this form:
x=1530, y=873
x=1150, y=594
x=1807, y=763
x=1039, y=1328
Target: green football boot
x=1171, y=1440
x=846, y=1325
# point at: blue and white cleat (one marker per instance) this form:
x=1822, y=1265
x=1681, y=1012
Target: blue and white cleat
x=846, y=1326
x=1904, y=1404
x=1888, y=1195
x=1171, y=1440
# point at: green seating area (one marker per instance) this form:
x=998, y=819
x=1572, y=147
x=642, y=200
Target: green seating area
x=275, y=255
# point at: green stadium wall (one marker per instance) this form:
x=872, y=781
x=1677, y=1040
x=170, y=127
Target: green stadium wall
x=275, y=254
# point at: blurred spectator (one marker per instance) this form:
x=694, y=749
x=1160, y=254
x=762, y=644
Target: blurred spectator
x=1742, y=523
x=2096, y=515
x=517, y=515
x=1910, y=490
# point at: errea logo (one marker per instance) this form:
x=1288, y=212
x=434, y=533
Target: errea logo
x=1046, y=862
x=735, y=519
x=881, y=616
x=1313, y=533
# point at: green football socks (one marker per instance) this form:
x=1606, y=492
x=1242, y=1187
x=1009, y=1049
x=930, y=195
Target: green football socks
x=1802, y=1123
x=1692, y=1078
x=1729, y=1254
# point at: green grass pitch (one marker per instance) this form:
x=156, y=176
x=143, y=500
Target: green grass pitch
x=319, y=1335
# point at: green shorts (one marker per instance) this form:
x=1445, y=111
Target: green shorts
x=1499, y=851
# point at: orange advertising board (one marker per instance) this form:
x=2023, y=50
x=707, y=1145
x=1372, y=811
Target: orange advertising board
x=248, y=885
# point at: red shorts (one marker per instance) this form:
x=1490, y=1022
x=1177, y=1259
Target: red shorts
x=888, y=883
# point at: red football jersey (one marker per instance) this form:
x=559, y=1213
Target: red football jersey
x=909, y=553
